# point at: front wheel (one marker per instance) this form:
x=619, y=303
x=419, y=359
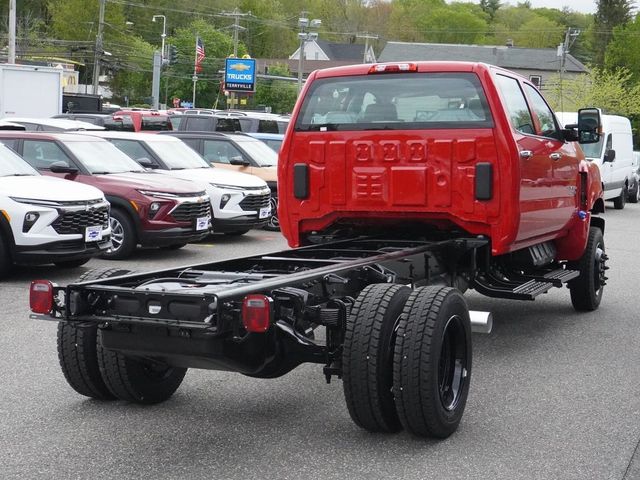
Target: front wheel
x=123, y=236
x=621, y=201
x=586, y=290
x=432, y=361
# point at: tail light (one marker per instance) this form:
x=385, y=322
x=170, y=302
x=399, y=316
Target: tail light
x=256, y=313
x=41, y=296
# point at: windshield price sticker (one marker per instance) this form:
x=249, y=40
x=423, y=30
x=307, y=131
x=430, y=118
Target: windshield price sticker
x=93, y=234
x=265, y=212
x=202, y=223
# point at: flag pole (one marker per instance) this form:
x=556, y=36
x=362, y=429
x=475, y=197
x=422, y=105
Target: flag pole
x=195, y=73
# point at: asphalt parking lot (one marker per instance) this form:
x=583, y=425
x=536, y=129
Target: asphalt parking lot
x=554, y=395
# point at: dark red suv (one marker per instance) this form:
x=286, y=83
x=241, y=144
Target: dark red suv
x=147, y=209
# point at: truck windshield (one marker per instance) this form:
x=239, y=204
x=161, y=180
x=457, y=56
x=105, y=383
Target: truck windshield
x=102, y=157
x=410, y=101
x=12, y=165
x=592, y=150
x=259, y=151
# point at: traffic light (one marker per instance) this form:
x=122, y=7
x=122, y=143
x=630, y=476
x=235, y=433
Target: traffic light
x=172, y=55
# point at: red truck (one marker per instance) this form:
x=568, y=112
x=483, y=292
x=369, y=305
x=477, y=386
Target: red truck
x=401, y=186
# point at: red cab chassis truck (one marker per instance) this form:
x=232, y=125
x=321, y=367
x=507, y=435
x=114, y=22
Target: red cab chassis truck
x=401, y=186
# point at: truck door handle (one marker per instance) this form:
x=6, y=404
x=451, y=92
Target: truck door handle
x=555, y=156
x=526, y=154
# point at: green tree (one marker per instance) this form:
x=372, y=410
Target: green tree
x=624, y=49
x=280, y=95
x=218, y=46
x=609, y=14
x=490, y=7
x=612, y=90
x=455, y=23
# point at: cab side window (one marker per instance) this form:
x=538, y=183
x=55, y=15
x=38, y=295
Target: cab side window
x=516, y=104
x=548, y=127
x=133, y=149
x=42, y=153
x=216, y=151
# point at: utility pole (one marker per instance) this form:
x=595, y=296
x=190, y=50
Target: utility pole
x=237, y=14
x=99, y=48
x=366, y=37
x=563, y=49
x=12, y=31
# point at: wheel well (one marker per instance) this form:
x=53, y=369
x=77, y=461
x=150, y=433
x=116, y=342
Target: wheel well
x=125, y=206
x=598, y=206
x=597, y=222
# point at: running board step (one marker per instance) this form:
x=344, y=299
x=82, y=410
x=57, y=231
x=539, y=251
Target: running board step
x=557, y=277
x=504, y=288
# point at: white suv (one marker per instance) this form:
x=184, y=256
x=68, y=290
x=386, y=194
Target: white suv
x=239, y=201
x=48, y=220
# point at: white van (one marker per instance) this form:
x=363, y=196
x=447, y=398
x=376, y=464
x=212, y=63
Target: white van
x=613, y=154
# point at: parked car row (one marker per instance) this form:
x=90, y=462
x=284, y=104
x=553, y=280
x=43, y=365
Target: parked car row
x=113, y=191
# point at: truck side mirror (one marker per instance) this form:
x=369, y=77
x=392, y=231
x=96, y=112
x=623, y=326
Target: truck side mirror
x=589, y=125
x=610, y=155
x=62, y=167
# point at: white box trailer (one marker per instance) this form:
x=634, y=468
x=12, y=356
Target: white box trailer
x=30, y=91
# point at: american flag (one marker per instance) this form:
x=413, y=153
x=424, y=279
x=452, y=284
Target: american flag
x=200, y=55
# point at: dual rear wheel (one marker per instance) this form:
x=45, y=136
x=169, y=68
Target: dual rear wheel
x=103, y=374
x=407, y=359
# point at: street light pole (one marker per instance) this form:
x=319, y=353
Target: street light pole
x=164, y=34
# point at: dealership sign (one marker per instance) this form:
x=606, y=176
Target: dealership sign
x=240, y=75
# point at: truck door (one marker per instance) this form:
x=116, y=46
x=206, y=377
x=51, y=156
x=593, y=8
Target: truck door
x=563, y=155
x=536, y=174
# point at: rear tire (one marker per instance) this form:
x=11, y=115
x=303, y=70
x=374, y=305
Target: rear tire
x=367, y=358
x=77, y=349
x=432, y=361
x=620, y=202
x=586, y=290
x=137, y=380
x=635, y=196
x=123, y=236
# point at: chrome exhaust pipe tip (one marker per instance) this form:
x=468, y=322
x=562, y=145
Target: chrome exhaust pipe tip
x=481, y=322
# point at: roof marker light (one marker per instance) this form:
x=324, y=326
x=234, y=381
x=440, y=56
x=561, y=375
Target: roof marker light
x=393, y=68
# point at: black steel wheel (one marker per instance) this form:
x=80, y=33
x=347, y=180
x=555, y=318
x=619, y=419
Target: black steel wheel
x=586, y=290
x=621, y=200
x=77, y=349
x=123, y=236
x=273, y=224
x=137, y=380
x=367, y=358
x=432, y=362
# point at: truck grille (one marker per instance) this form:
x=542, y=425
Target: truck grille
x=76, y=222
x=255, y=202
x=188, y=212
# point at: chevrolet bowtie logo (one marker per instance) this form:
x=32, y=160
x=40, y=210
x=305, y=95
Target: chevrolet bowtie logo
x=240, y=67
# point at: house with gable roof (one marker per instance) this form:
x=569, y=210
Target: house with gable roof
x=537, y=64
